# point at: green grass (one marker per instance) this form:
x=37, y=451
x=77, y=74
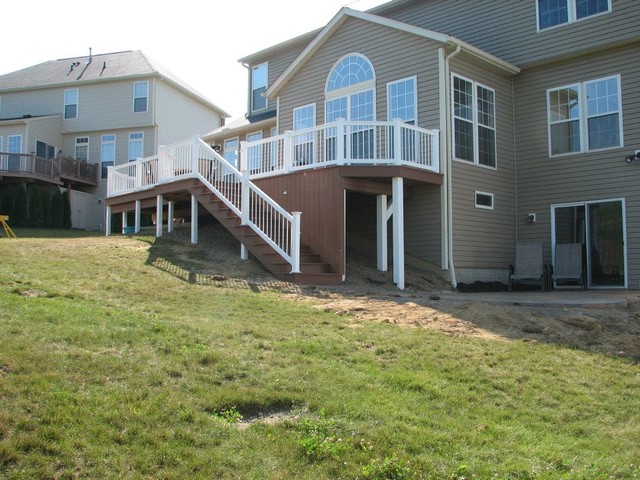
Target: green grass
x=118, y=361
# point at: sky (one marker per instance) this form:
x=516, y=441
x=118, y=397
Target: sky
x=200, y=41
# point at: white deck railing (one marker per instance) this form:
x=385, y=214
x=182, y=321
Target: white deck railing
x=341, y=143
x=195, y=159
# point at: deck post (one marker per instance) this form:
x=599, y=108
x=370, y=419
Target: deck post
x=138, y=216
x=244, y=252
x=288, y=150
x=159, y=205
x=397, y=141
x=244, y=199
x=124, y=222
x=295, y=242
x=194, y=154
x=107, y=222
x=382, y=218
x=397, y=188
x=170, y=215
x=194, y=219
x=340, y=136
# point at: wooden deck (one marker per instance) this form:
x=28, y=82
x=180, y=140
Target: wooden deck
x=18, y=167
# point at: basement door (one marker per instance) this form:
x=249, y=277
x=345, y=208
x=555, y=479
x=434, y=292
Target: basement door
x=601, y=229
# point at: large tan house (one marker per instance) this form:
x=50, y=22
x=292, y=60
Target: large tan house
x=64, y=122
x=437, y=131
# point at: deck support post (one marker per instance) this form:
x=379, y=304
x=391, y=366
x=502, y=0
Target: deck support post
x=159, y=205
x=295, y=242
x=138, y=216
x=125, y=223
x=382, y=217
x=244, y=252
x=397, y=189
x=194, y=219
x=107, y=221
x=170, y=215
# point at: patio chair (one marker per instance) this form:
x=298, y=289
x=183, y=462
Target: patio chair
x=529, y=264
x=568, y=264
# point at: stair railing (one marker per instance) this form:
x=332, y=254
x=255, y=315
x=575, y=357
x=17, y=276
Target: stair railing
x=195, y=159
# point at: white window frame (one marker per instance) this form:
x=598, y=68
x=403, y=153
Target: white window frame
x=414, y=79
x=77, y=144
x=583, y=118
x=104, y=142
x=487, y=194
x=13, y=137
x=254, y=162
x=1, y=146
x=306, y=138
x=253, y=87
x=77, y=103
x=572, y=16
x=135, y=97
x=236, y=150
x=135, y=140
x=476, y=123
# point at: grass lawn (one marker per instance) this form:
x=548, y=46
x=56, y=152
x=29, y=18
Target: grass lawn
x=118, y=361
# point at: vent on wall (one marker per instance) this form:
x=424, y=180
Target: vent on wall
x=484, y=200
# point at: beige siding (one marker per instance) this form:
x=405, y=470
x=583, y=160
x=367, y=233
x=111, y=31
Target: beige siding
x=179, y=117
x=47, y=130
x=87, y=212
x=36, y=102
x=395, y=55
x=14, y=129
x=485, y=239
x=508, y=29
x=543, y=181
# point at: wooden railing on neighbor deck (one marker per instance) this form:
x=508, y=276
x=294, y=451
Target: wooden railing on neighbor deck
x=195, y=159
x=51, y=170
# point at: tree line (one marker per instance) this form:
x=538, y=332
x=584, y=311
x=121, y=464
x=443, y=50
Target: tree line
x=35, y=206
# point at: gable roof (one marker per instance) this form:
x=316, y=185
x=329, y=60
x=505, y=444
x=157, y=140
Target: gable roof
x=74, y=71
x=346, y=13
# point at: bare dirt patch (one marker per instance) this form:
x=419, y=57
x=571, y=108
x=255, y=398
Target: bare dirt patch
x=427, y=302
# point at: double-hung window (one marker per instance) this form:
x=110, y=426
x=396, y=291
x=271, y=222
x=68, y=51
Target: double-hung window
x=14, y=146
x=71, y=103
x=474, y=122
x=585, y=116
x=259, y=76
x=136, y=145
x=107, y=153
x=140, y=96
x=559, y=12
x=401, y=105
x=304, y=117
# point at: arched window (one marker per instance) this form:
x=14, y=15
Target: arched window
x=350, y=70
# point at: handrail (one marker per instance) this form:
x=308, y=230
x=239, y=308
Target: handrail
x=195, y=159
x=51, y=168
x=343, y=142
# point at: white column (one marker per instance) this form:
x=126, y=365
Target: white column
x=138, y=215
x=124, y=221
x=107, y=221
x=194, y=219
x=170, y=216
x=244, y=252
x=159, y=204
x=381, y=236
x=398, y=231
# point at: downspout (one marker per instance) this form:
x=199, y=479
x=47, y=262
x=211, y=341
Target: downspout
x=448, y=162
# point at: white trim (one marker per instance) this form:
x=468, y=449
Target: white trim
x=572, y=15
x=585, y=204
x=487, y=194
x=76, y=144
x=583, y=117
x=415, y=97
x=341, y=17
x=235, y=162
x=356, y=87
x=476, y=124
x=18, y=135
x=134, y=97
x=102, y=144
x=1, y=146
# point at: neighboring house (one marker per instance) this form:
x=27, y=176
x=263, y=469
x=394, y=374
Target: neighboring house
x=513, y=125
x=84, y=114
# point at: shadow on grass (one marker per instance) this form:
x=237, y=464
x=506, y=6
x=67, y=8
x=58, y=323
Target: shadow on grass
x=54, y=233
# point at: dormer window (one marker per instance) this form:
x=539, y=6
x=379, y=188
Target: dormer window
x=259, y=77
